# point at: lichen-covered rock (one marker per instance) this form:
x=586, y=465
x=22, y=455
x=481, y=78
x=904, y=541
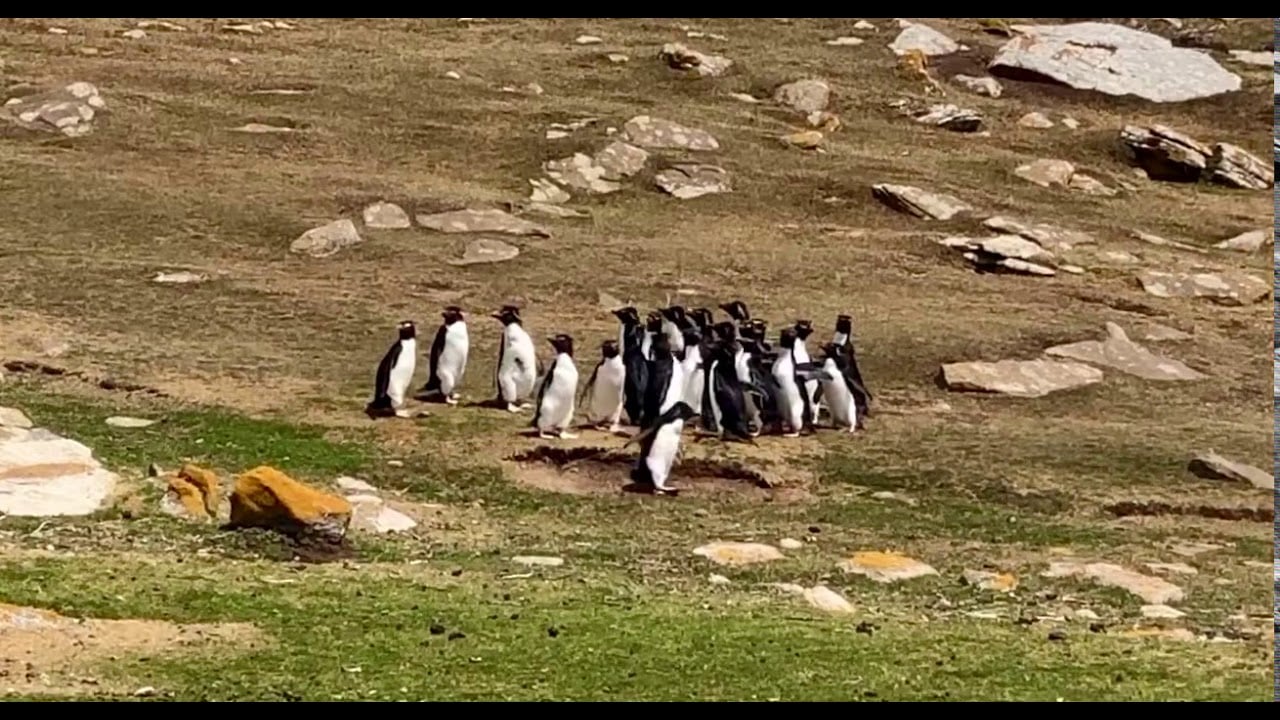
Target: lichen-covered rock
x=921, y=203
x=69, y=110
x=267, y=498
x=804, y=96
x=657, y=133
x=196, y=490
x=326, y=240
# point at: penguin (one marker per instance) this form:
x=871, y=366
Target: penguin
x=724, y=331
x=841, y=403
x=703, y=320
x=557, y=392
x=604, y=394
x=652, y=328
x=674, y=323
x=724, y=409
x=754, y=365
x=793, y=405
x=843, y=337
x=804, y=328
x=448, y=357
x=631, y=335
x=737, y=310
x=395, y=373
x=659, y=446
x=693, y=367
x=666, y=381
x=517, y=371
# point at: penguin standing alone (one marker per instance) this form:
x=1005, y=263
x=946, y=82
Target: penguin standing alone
x=843, y=338
x=605, y=392
x=517, y=371
x=659, y=446
x=557, y=392
x=395, y=373
x=448, y=357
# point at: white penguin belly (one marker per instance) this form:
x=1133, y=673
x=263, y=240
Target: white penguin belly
x=801, y=354
x=791, y=406
x=694, y=377
x=519, y=374
x=402, y=372
x=675, y=389
x=558, y=400
x=839, y=400
x=453, y=359
x=662, y=454
x=607, y=393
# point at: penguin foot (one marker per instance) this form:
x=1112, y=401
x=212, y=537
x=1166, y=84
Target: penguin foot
x=513, y=408
x=566, y=435
x=666, y=492
x=402, y=413
x=544, y=435
x=615, y=429
x=792, y=434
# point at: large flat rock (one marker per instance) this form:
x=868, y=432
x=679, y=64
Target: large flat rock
x=1019, y=378
x=1225, y=288
x=1119, y=352
x=43, y=474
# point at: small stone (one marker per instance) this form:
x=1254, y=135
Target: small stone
x=657, y=133
x=804, y=96
x=885, y=567
x=987, y=580
x=1212, y=466
x=921, y=203
x=182, y=277
x=1226, y=288
x=327, y=240
x=738, y=553
x=234, y=61
x=930, y=42
x=897, y=497
x=715, y=579
x=1086, y=614
x=1163, y=333
x=122, y=421
x=134, y=34
x=145, y=691
x=863, y=25
x=790, y=544
x=545, y=191
x=482, y=251
x=1162, y=612
x=538, y=560
x=805, y=139
x=57, y=31
x=355, y=485
x=257, y=128
x=1035, y=120
x=489, y=220
x=687, y=181
x=1090, y=185
x=984, y=85
x=828, y=600
x=1261, y=58
x=949, y=117
x=588, y=40
x=1248, y=242
x=1070, y=123
x=743, y=97
x=679, y=57
x=14, y=418
x=453, y=75
x=618, y=58
x=386, y=216
x=845, y=41
x=1046, y=172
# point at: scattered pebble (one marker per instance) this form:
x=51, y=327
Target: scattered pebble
x=588, y=40
x=715, y=579
x=123, y=421
x=453, y=75
x=790, y=544
x=538, y=560
x=134, y=34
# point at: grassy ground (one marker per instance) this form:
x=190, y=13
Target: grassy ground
x=271, y=362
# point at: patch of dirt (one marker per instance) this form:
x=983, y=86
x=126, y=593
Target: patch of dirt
x=44, y=653
x=588, y=470
x=1130, y=508
x=269, y=545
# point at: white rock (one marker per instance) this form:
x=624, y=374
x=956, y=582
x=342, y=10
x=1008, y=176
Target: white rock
x=986, y=85
x=863, y=25
x=588, y=40
x=1035, y=120
x=538, y=560
x=386, y=216
x=790, y=544
x=715, y=579
x=134, y=34
x=1161, y=612
x=124, y=421
x=371, y=514
x=845, y=41
x=327, y=239
x=182, y=277
x=1250, y=241
x=915, y=36
x=453, y=75
x=738, y=553
x=14, y=418
x=43, y=474
x=824, y=598
x=354, y=485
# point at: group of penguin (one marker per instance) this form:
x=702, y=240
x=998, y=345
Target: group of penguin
x=674, y=366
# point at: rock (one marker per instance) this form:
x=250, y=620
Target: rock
x=582, y=172
x=69, y=110
x=1070, y=123
x=656, y=133
x=1161, y=612
x=134, y=34
x=898, y=497
x=1009, y=251
x=43, y=474
x=161, y=25
x=923, y=38
x=621, y=160
x=257, y=128
x=715, y=579
x=1226, y=288
x=371, y=514
x=244, y=28
x=1176, y=568
x=267, y=498
x=804, y=96
x=1113, y=60
x=1019, y=378
x=1035, y=120
x=1212, y=466
x=386, y=216
x=14, y=418
x=1261, y=58
x=805, y=139
x=1161, y=333
x=949, y=117
x=743, y=97
x=845, y=41
x=987, y=580
x=538, y=560
x=194, y=492
x=1251, y=241
x=354, y=485
x=545, y=191
x=885, y=567
x=984, y=85
x=863, y=25
x=588, y=40
x=1155, y=633
x=738, y=553
x=123, y=421
x=1049, y=237
x=1168, y=155
x=489, y=220
x=182, y=277
x=554, y=211
x=1151, y=239
x=1119, y=352
x=453, y=75
x=1151, y=589
x=827, y=600
x=1090, y=185
x=326, y=240
x=486, y=250
x=687, y=181
x=679, y=57
x=790, y=544
x=56, y=31
x=1046, y=173
x=824, y=120
x=1192, y=549
x=617, y=58
x=921, y=203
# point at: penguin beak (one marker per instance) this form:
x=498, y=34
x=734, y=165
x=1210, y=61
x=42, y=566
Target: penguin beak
x=496, y=315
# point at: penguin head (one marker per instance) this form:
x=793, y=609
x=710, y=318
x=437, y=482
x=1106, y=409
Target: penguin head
x=702, y=317
x=562, y=343
x=628, y=316
x=692, y=337
x=675, y=313
x=758, y=329
x=724, y=331
x=844, y=324
x=452, y=314
x=609, y=349
x=407, y=329
x=737, y=310
x=653, y=323
x=832, y=350
x=508, y=314
x=684, y=411
x=787, y=338
x=804, y=328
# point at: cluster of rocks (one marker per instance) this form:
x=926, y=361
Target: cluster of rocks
x=1166, y=154
x=69, y=110
x=1065, y=367
x=679, y=57
x=1051, y=173
x=258, y=28
x=944, y=115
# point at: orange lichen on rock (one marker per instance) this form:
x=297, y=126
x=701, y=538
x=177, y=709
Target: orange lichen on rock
x=265, y=497
x=206, y=482
x=189, y=496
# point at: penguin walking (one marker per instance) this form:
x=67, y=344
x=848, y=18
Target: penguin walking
x=605, y=392
x=448, y=357
x=666, y=382
x=804, y=328
x=659, y=446
x=517, y=371
x=631, y=336
x=695, y=372
x=840, y=400
x=652, y=329
x=395, y=373
x=557, y=392
x=794, y=406
x=724, y=404
x=843, y=337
